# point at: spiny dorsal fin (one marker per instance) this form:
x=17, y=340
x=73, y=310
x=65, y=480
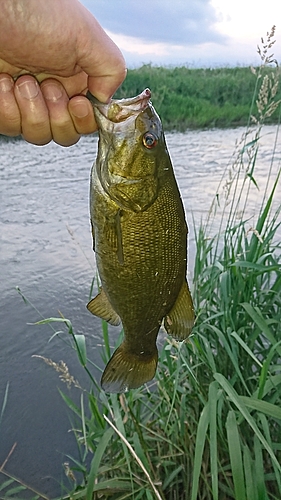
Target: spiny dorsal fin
x=101, y=307
x=126, y=370
x=180, y=319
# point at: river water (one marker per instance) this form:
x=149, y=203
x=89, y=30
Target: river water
x=46, y=251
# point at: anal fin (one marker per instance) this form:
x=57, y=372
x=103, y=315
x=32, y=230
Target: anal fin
x=126, y=370
x=101, y=307
x=180, y=319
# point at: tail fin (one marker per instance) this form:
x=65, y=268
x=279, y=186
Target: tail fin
x=126, y=370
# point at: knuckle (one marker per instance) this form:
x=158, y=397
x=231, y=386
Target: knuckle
x=36, y=131
x=10, y=124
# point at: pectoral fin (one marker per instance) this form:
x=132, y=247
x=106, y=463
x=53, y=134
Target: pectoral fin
x=101, y=307
x=113, y=234
x=180, y=319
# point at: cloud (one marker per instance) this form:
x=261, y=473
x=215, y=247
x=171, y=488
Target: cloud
x=209, y=55
x=197, y=33
x=179, y=22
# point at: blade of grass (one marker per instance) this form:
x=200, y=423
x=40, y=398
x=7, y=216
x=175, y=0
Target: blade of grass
x=235, y=456
x=22, y=484
x=251, y=490
x=13, y=491
x=83, y=421
x=264, y=371
x=5, y=399
x=246, y=348
x=260, y=224
x=170, y=478
x=269, y=409
x=266, y=430
x=257, y=317
x=199, y=449
x=106, y=488
x=243, y=410
x=231, y=354
x=80, y=343
x=96, y=462
x=6, y=484
x=259, y=470
x=271, y=383
x=133, y=453
x=213, y=396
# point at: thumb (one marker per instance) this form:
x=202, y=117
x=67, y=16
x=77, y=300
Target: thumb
x=102, y=61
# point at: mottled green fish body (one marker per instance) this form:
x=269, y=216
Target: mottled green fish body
x=140, y=239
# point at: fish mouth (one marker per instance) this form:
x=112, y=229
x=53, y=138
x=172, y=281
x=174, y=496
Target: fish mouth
x=119, y=110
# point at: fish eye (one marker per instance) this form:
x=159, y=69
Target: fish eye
x=149, y=140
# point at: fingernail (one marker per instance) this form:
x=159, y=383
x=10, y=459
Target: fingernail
x=29, y=89
x=80, y=109
x=6, y=84
x=52, y=92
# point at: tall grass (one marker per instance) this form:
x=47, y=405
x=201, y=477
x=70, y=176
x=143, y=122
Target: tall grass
x=208, y=428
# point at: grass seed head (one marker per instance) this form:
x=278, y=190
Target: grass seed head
x=62, y=369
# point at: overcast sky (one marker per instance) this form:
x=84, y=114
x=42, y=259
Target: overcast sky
x=199, y=33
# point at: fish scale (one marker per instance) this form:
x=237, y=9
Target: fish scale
x=143, y=245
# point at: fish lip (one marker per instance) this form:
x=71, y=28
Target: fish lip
x=118, y=110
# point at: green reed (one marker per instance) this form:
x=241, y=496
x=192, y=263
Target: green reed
x=208, y=426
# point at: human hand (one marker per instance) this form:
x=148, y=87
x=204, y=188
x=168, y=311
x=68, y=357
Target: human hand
x=57, y=51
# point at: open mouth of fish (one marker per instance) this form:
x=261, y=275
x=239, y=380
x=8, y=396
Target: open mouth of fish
x=119, y=110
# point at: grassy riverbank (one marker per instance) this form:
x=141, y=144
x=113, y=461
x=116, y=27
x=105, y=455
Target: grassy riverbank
x=196, y=98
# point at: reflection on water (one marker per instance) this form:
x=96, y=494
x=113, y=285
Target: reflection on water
x=43, y=192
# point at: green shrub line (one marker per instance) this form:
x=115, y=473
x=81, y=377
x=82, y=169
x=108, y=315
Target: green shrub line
x=208, y=426
x=188, y=98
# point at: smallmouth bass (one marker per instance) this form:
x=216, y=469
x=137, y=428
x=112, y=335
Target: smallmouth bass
x=139, y=238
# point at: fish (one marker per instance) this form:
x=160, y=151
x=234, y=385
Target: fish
x=139, y=238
